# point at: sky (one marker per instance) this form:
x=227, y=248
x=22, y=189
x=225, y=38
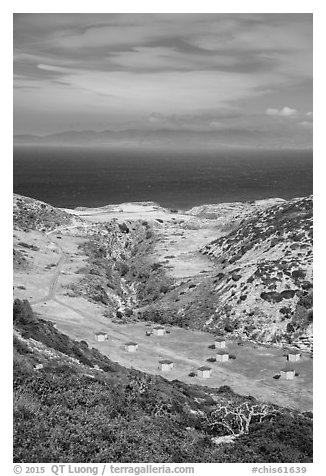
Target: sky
x=240, y=73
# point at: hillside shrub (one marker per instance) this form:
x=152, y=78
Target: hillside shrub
x=123, y=228
x=298, y=274
x=285, y=310
x=290, y=328
x=271, y=296
x=288, y=294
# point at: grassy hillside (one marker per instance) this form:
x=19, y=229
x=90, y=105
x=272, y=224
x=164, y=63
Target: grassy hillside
x=262, y=288
x=265, y=281
x=72, y=403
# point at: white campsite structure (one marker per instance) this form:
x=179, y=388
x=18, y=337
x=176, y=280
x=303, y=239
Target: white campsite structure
x=165, y=365
x=159, y=331
x=204, y=372
x=220, y=343
x=287, y=373
x=293, y=356
x=101, y=336
x=130, y=346
x=222, y=356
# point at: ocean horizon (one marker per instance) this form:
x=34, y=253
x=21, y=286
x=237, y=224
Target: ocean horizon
x=69, y=177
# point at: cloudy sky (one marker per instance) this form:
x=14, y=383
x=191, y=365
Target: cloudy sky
x=210, y=72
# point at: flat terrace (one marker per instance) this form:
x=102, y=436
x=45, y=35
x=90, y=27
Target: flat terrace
x=251, y=373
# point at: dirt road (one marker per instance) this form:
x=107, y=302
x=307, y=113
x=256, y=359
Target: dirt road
x=54, y=280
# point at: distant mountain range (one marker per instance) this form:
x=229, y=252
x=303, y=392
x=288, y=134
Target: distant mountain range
x=153, y=138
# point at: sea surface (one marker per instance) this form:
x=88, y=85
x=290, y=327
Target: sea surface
x=71, y=176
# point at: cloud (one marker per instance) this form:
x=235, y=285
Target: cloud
x=57, y=69
x=179, y=92
x=159, y=58
x=240, y=42
x=306, y=124
x=196, y=71
x=285, y=112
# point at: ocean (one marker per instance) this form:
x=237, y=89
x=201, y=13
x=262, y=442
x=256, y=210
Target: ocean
x=92, y=177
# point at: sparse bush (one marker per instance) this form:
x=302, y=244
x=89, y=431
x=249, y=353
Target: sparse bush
x=285, y=310
x=123, y=228
x=225, y=389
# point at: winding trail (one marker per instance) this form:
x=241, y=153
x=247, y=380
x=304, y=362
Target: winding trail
x=54, y=281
